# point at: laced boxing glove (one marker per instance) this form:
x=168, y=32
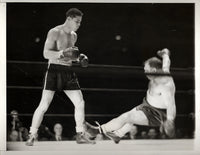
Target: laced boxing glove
x=165, y=54
x=71, y=52
x=168, y=128
x=162, y=52
x=83, y=59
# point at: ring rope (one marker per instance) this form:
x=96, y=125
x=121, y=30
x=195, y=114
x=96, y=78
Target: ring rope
x=95, y=65
x=87, y=115
x=189, y=72
x=101, y=89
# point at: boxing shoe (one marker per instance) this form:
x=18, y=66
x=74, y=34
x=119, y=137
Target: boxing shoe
x=113, y=137
x=83, y=138
x=30, y=140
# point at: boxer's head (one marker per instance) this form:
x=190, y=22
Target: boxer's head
x=74, y=18
x=73, y=12
x=152, y=65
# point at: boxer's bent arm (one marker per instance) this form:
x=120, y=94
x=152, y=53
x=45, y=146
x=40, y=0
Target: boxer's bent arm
x=171, y=107
x=166, y=63
x=171, y=112
x=50, y=46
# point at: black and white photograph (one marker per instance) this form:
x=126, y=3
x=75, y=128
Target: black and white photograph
x=100, y=77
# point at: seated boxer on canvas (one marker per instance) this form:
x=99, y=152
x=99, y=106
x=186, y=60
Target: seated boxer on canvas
x=157, y=109
x=60, y=51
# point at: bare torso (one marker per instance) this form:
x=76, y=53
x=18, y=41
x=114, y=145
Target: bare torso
x=63, y=40
x=159, y=93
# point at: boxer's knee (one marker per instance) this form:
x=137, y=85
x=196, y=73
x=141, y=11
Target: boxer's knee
x=42, y=108
x=46, y=99
x=125, y=117
x=138, y=117
x=44, y=105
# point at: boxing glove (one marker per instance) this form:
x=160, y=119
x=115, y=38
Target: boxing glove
x=83, y=59
x=71, y=52
x=163, y=52
x=168, y=128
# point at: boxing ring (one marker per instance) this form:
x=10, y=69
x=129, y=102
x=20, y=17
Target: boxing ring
x=165, y=146
x=106, y=145
x=150, y=147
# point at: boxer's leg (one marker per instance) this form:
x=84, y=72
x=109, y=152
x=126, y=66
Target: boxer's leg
x=79, y=108
x=134, y=117
x=47, y=96
x=79, y=114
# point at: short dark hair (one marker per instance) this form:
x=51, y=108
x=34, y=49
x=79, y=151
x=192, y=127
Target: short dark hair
x=154, y=62
x=73, y=12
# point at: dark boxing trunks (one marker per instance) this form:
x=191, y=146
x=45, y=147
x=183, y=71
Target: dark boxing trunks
x=60, y=77
x=154, y=115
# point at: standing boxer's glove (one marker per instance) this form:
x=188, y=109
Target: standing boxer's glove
x=163, y=52
x=83, y=59
x=168, y=128
x=71, y=52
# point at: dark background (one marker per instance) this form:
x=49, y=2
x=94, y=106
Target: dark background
x=141, y=29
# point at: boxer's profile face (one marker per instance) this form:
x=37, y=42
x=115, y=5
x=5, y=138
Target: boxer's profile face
x=146, y=68
x=74, y=22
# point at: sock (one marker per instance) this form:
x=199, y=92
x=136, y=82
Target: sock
x=123, y=130
x=103, y=127
x=80, y=129
x=33, y=130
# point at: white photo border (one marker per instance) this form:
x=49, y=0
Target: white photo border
x=3, y=73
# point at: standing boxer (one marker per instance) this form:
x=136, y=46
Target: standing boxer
x=157, y=109
x=60, y=51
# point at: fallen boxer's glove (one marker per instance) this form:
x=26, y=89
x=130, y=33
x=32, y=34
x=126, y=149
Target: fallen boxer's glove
x=71, y=52
x=163, y=52
x=168, y=128
x=83, y=59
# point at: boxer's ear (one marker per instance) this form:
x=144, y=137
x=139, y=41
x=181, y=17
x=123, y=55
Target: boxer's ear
x=69, y=18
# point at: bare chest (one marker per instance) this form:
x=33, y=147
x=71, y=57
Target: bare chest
x=65, y=40
x=155, y=89
x=155, y=95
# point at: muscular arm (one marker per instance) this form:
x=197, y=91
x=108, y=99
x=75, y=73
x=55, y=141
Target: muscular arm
x=168, y=126
x=166, y=63
x=164, y=54
x=50, y=51
x=170, y=104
